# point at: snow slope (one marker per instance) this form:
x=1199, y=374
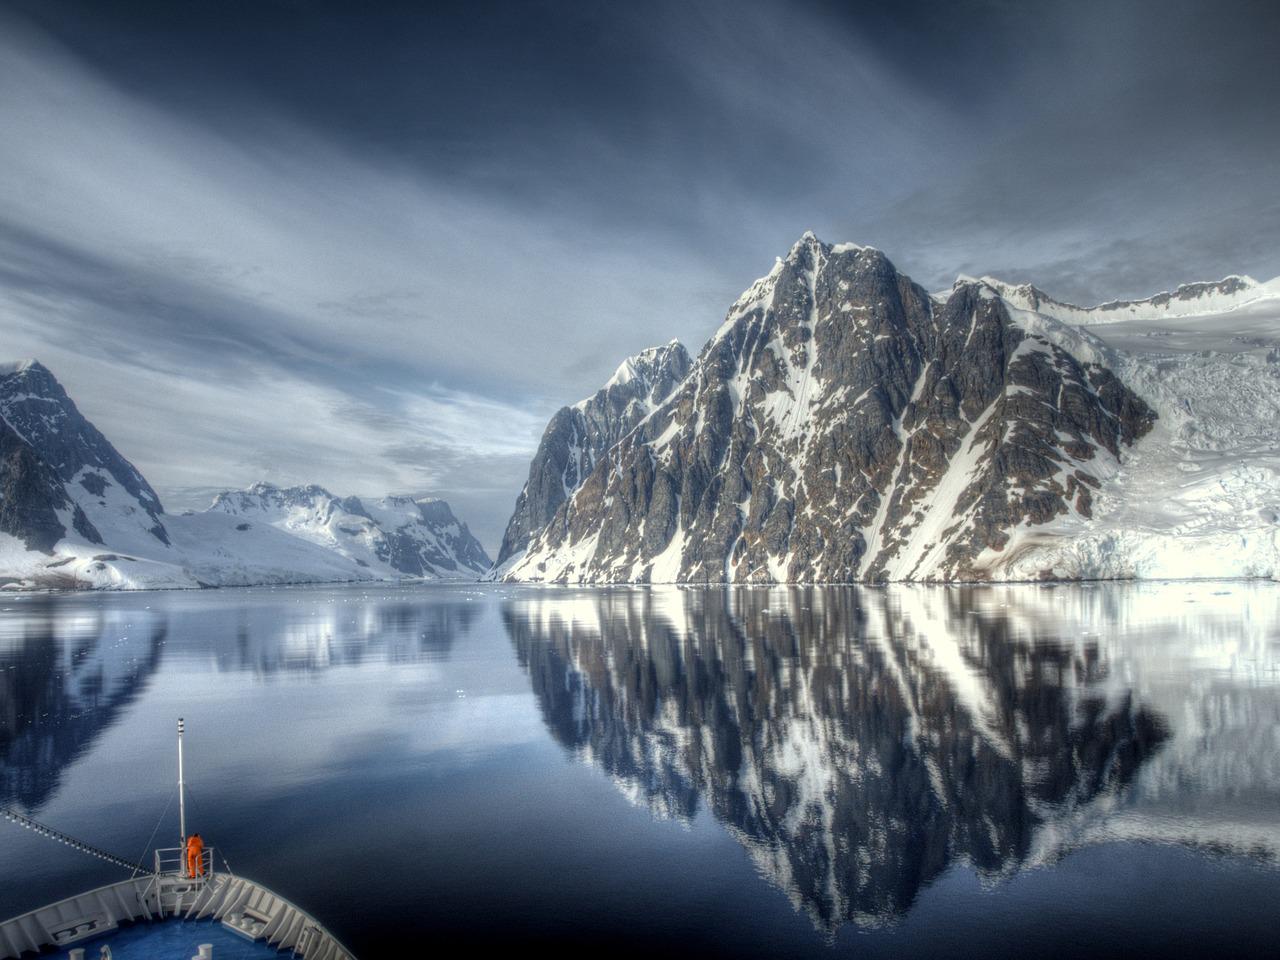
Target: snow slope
x=389, y=538
x=215, y=548
x=205, y=549
x=247, y=546
x=1200, y=495
x=1191, y=300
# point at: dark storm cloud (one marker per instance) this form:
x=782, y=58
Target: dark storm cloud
x=375, y=246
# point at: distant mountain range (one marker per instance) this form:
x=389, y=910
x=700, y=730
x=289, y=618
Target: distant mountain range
x=74, y=513
x=391, y=536
x=845, y=425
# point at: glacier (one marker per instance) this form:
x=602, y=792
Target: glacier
x=1200, y=495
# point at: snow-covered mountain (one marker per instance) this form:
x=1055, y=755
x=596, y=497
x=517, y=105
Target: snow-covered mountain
x=391, y=536
x=72, y=510
x=578, y=435
x=845, y=425
x=61, y=473
x=1189, y=300
x=74, y=513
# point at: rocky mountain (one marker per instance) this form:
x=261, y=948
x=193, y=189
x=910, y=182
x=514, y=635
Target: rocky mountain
x=844, y=425
x=391, y=535
x=578, y=436
x=61, y=477
x=74, y=513
x=33, y=502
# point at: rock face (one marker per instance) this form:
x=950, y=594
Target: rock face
x=578, y=436
x=31, y=497
x=413, y=538
x=843, y=425
x=61, y=475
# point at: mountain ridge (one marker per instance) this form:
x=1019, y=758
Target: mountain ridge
x=1198, y=298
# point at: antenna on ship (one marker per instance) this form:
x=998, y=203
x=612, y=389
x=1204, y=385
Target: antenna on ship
x=182, y=793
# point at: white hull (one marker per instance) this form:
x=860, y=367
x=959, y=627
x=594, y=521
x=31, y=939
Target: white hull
x=239, y=904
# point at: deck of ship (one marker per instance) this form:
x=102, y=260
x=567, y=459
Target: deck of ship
x=165, y=908
x=174, y=938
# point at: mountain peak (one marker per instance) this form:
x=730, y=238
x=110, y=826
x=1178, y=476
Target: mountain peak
x=22, y=366
x=36, y=380
x=808, y=241
x=438, y=511
x=648, y=362
x=265, y=488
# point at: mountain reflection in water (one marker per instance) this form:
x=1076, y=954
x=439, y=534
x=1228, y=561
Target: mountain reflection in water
x=858, y=742
x=490, y=767
x=70, y=666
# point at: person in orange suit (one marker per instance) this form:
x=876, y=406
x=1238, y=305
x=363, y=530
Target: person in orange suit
x=195, y=858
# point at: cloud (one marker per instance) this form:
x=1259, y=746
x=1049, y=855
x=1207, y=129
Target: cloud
x=229, y=311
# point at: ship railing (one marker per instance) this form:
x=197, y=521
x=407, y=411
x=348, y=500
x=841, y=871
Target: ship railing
x=172, y=862
x=171, y=887
x=240, y=905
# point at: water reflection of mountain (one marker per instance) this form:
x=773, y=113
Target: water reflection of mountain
x=70, y=667
x=857, y=742
x=63, y=680
x=315, y=635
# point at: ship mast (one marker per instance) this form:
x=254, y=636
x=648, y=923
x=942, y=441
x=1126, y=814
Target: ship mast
x=182, y=794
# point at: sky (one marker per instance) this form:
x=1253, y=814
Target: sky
x=376, y=246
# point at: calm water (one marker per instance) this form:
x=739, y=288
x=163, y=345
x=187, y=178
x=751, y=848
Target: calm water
x=1075, y=771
